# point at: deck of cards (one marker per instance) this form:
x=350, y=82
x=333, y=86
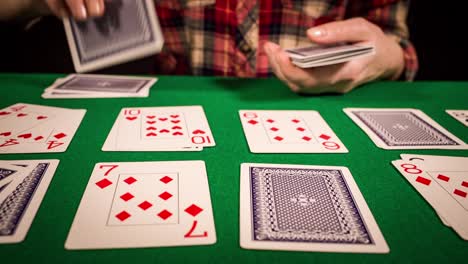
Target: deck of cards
x=460, y=115
x=144, y=204
x=127, y=31
x=305, y=208
x=23, y=184
x=443, y=182
x=28, y=128
x=173, y=128
x=99, y=86
x=322, y=55
x=403, y=128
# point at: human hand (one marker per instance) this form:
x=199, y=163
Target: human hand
x=78, y=9
x=386, y=63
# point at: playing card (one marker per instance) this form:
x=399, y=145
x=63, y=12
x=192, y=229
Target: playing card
x=18, y=209
x=144, y=204
x=280, y=131
x=128, y=30
x=53, y=133
x=305, y=208
x=91, y=83
x=460, y=115
x=445, y=189
x=10, y=177
x=159, y=129
x=403, y=128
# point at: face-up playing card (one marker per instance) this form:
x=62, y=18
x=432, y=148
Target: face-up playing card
x=128, y=30
x=289, y=132
x=160, y=128
x=401, y=128
x=305, y=208
x=443, y=182
x=460, y=115
x=144, y=204
x=18, y=209
x=52, y=133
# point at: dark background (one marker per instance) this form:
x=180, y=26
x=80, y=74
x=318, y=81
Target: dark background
x=436, y=31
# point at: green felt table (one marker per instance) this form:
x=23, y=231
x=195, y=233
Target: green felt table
x=410, y=226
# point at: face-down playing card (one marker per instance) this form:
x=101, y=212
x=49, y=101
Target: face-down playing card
x=144, y=204
x=305, y=208
x=401, y=128
x=18, y=209
x=48, y=129
x=128, y=30
x=160, y=128
x=281, y=131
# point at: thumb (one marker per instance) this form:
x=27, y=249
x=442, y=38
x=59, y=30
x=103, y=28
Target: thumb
x=351, y=30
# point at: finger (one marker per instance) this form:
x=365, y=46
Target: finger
x=57, y=7
x=300, y=77
x=95, y=8
x=77, y=9
x=270, y=50
x=351, y=30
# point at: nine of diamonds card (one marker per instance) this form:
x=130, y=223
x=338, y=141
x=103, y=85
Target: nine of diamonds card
x=280, y=131
x=144, y=204
x=27, y=128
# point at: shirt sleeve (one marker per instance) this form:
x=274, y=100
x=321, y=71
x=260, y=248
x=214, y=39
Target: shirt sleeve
x=390, y=16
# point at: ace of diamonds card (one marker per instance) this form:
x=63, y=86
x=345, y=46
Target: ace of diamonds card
x=144, y=204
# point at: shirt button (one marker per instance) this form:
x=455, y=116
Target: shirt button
x=245, y=48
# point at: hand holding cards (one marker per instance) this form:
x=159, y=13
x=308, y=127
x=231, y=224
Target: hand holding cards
x=322, y=55
x=128, y=30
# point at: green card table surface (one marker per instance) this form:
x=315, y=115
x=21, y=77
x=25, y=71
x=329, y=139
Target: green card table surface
x=412, y=229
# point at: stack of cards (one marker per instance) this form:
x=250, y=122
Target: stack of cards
x=321, y=55
x=128, y=30
x=177, y=128
x=27, y=128
x=305, y=208
x=403, y=128
x=23, y=184
x=443, y=182
x=460, y=115
x=99, y=86
x=279, y=131
x=144, y=204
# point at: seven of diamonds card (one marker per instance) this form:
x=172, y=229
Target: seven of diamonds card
x=401, y=128
x=144, y=204
x=19, y=205
x=177, y=128
x=128, y=30
x=289, y=132
x=27, y=128
x=305, y=208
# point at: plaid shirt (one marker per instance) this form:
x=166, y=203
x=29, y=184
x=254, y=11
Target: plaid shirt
x=224, y=37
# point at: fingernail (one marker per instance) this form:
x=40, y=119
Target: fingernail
x=98, y=8
x=83, y=12
x=318, y=33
